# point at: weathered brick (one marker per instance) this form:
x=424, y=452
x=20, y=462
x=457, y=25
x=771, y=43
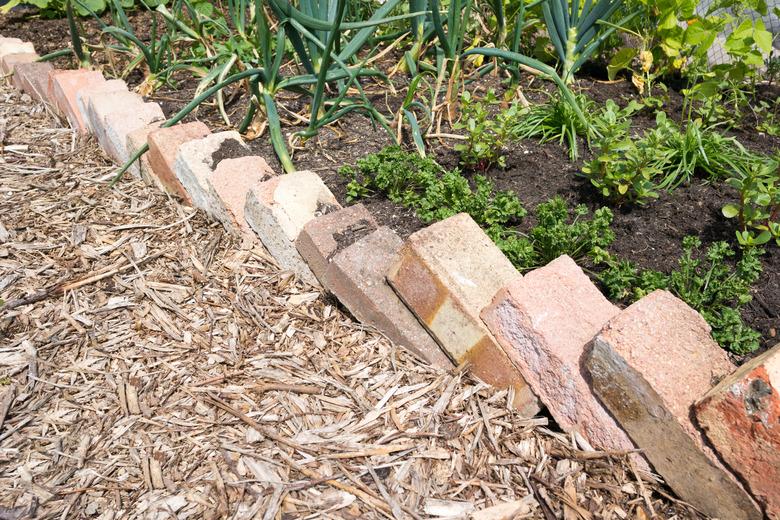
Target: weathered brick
x=356, y=276
x=277, y=210
x=15, y=46
x=544, y=322
x=107, y=90
x=64, y=86
x=198, y=157
x=9, y=62
x=446, y=274
x=648, y=366
x=230, y=183
x=141, y=168
x=118, y=125
x=741, y=417
x=325, y=236
x=101, y=103
x=165, y=145
x=33, y=78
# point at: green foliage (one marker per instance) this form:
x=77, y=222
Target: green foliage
x=560, y=231
x=627, y=169
x=556, y=120
x=434, y=193
x=758, y=207
x=57, y=8
x=485, y=135
x=705, y=281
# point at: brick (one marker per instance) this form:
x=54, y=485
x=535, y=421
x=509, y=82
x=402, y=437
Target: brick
x=164, y=146
x=741, y=418
x=118, y=125
x=63, y=88
x=15, y=46
x=33, y=78
x=544, y=322
x=197, y=158
x=230, y=183
x=107, y=90
x=101, y=103
x=446, y=274
x=279, y=208
x=325, y=236
x=648, y=366
x=135, y=140
x=9, y=62
x=356, y=276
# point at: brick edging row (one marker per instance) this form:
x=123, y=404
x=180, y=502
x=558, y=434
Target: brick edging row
x=619, y=380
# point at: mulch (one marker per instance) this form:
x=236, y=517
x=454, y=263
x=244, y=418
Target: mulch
x=151, y=368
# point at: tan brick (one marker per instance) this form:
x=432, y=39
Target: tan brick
x=446, y=274
x=106, y=89
x=325, y=236
x=197, y=159
x=141, y=168
x=544, y=322
x=356, y=276
x=648, y=366
x=15, y=46
x=230, y=183
x=741, y=417
x=164, y=146
x=277, y=210
x=118, y=125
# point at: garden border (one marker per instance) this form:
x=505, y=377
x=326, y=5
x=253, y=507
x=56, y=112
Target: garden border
x=618, y=379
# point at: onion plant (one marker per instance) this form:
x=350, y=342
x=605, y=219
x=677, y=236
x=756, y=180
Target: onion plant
x=577, y=31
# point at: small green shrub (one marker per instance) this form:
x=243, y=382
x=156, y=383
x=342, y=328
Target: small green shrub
x=702, y=280
x=485, y=136
x=758, y=208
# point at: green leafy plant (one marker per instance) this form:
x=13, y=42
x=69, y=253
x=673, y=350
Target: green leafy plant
x=703, y=280
x=758, y=207
x=485, y=135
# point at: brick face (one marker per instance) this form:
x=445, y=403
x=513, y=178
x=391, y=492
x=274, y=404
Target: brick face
x=741, y=418
x=164, y=145
x=446, y=274
x=64, y=86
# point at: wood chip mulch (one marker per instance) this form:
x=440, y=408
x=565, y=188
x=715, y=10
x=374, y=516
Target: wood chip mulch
x=151, y=368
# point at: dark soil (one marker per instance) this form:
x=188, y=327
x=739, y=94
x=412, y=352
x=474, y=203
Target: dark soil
x=352, y=234
x=228, y=149
x=650, y=236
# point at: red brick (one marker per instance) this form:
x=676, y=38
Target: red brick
x=231, y=182
x=741, y=417
x=325, y=236
x=544, y=322
x=33, y=78
x=135, y=140
x=9, y=62
x=648, y=366
x=164, y=146
x=446, y=274
x=356, y=276
x=63, y=88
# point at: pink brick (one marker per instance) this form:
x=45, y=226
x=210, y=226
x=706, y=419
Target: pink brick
x=446, y=274
x=33, y=78
x=648, y=366
x=107, y=89
x=328, y=234
x=9, y=62
x=118, y=125
x=63, y=88
x=231, y=181
x=741, y=417
x=15, y=46
x=164, y=146
x=135, y=140
x=544, y=321
x=356, y=276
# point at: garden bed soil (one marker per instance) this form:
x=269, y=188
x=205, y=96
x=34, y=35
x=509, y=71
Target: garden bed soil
x=650, y=235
